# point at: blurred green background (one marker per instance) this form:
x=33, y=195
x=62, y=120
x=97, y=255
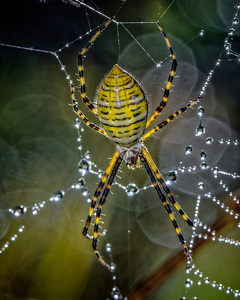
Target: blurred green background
x=39, y=155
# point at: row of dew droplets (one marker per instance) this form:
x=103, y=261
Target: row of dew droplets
x=116, y=293
x=216, y=171
x=206, y=280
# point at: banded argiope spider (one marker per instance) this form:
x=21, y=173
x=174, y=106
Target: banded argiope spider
x=122, y=110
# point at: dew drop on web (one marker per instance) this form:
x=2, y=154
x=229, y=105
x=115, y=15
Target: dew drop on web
x=58, y=195
x=132, y=189
x=84, y=167
x=18, y=210
x=170, y=177
x=200, y=111
x=188, y=150
x=203, y=155
x=200, y=130
x=209, y=140
x=116, y=293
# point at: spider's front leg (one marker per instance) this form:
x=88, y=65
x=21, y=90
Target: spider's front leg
x=84, y=96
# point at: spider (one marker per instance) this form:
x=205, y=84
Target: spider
x=122, y=110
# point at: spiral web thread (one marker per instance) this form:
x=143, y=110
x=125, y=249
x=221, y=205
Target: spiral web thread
x=86, y=166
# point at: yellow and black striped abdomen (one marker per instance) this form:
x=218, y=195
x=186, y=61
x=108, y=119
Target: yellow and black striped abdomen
x=122, y=107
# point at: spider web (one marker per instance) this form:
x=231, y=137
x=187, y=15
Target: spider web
x=44, y=150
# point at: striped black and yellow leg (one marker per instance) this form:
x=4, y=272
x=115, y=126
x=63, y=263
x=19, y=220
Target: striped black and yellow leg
x=169, y=119
x=165, y=187
x=150, y=170
x=169, y=82
x=82, y=116
x=80, y=69
x=99, y=210
x=98, y=191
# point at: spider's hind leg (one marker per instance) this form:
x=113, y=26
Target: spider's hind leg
x=99, y=210
x=152, y=173
x=98, y=192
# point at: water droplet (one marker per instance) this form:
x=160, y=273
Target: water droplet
x=201, y=33
x=206, y=280
x=88, y=155
x=35, y=209
x=188, y=283
x=231, y=31
x=209, y=140
x=215, y=171
x=21, y=228
x=131, y=189
x=200, y=111
x=188, y=150
x=108, y=247
x=183, y=298
x=85, y=192
x=200, y=130
x=58, y=195
x=81, y=182
x=79, y=139
x=235, y=20
x=100, y=174
x=84, y=167
x=228, y=290
x=188, y=269
x=13, y=238
x=235, y=143
x=194, y=298
x=18, y=211
x=238, y=5
x=116, y=293
x=170, y=177
x=236, y=293
x=77, y=123
x=201, y=185
x=204, y=165
x=227, y=46
x=203, y=155
x=221, y=141
x=113, y=267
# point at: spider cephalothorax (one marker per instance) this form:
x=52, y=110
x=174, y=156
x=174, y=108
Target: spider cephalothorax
x=131, y=155
x=122, y=110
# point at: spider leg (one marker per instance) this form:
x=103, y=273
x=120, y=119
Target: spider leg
x=98, y=191
x=82, y=116
x=99, y=210
x=165, y=187
x=169, y=82
x=80, y=69
x=152, y=173
x=169, y=119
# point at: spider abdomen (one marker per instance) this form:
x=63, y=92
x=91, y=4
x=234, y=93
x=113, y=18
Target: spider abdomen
x=122, y=107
